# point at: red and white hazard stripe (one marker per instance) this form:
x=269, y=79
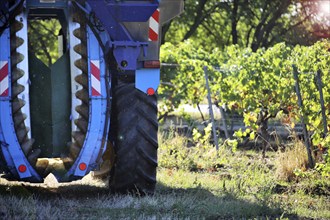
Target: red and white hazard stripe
x=4, y=79
x=154, y=26
x=96, y=78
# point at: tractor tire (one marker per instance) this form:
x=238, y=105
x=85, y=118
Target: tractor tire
x=135, y=128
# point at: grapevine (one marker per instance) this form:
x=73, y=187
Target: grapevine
x=258, y=85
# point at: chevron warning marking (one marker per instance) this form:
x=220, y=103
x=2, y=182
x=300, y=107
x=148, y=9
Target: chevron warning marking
x=4, y=79
x=154, y=26
x=96, y=78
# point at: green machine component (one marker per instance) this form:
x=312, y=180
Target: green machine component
x=50, y=105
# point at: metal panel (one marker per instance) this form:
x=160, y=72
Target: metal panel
x=4, y=79
x=99, y=120
x=23, y=65
x=5, y=66
x=10, y=147
x=75, y=71
x=40, y=103
x=60, y=105
x=139, y=31
x=109, y=22
x=147, y=78
x=47, y=3
x=170, y=9
x=132, y=12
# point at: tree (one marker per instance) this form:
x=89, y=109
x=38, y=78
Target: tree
x=43, y=39
x=248, y=23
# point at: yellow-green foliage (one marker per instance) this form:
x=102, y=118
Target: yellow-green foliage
x=43, y=39
x=175, y=153
x=253, y=84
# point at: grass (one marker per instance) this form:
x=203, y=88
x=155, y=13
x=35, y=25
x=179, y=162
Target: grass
x=291, y=161
x=193, y=183
x=182, y=198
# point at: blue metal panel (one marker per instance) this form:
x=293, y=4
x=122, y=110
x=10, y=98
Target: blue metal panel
x=147, y=78
x=5, y=56
x=127, y=53
x=132, y=12
x=111, y=14
x=99, y=122
x=116, y=30
x=39, y=4
x=10, y=147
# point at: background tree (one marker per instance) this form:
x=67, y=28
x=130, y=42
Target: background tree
x=43, y=39
x=254, y=24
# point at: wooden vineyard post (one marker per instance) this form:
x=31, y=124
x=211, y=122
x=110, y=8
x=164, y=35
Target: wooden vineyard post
x=210, y=108
x=223, y=118
x=324, y=118
x=300, y=104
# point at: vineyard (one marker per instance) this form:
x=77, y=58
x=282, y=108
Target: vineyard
x=164, y=109
x=196, y=181
x=285, y=83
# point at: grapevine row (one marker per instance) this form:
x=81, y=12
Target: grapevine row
x=259, y=85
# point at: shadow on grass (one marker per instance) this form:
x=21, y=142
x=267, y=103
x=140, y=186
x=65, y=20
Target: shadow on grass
x=227, y=205
x=67, y=191
x=191, y=203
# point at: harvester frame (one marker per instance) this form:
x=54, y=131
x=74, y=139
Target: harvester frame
x=102, y=90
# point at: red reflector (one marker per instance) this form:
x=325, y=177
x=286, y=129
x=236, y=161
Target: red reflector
x=152, y=64
x=82, y=166
x=22, y=168
x=150, y=91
